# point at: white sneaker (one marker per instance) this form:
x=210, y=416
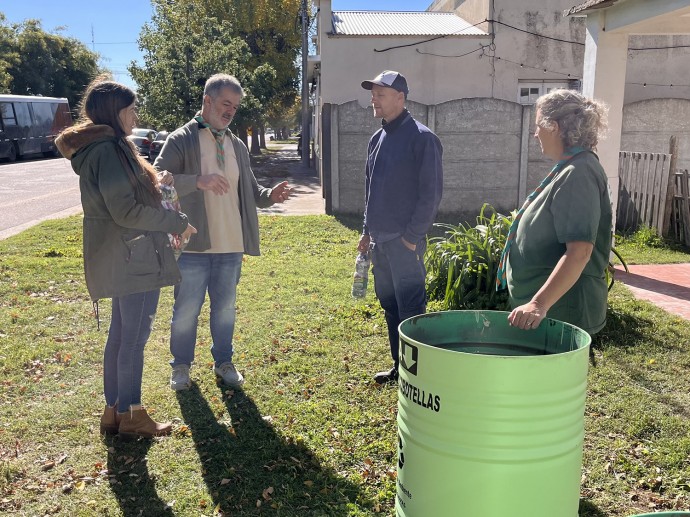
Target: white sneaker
x=179, y=379
x=229, y=374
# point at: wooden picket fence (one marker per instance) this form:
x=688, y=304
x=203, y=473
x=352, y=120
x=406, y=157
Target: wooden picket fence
x=680, y=208
x=644, y=198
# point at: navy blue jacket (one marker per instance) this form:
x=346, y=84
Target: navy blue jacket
x=404, y=180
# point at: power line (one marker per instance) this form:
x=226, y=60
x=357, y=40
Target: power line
x=536, y=34
x=441, y=36
x=667, y=85
x=660, y=48
x=544, y=70
x=461, y=55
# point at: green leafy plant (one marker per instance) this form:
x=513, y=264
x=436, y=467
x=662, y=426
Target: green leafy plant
x=644, y=237
x=462, y=264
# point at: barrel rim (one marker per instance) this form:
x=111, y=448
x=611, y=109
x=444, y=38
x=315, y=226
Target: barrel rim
x=513, y=357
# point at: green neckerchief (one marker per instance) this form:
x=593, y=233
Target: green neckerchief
x=219, y=136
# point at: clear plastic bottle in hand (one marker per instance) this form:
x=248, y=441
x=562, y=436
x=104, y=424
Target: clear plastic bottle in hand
x=361, y=277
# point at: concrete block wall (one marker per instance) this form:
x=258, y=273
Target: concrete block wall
x=482, y=141
x=490, y=154
x=648, y=126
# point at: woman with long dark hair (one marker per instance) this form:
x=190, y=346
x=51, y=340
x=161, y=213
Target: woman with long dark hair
x=127, y=253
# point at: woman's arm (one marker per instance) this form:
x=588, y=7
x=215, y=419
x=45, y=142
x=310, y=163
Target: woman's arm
x=118, y=195
x=561, y=279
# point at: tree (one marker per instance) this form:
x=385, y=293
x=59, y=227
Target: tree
x=271, y=32
x=9, y=56
x=271, y=29
x=50, y=64
x=182, y=48
x=283, y=114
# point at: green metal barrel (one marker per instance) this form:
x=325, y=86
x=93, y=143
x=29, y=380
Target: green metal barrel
x=662, y=514
x=490, y=417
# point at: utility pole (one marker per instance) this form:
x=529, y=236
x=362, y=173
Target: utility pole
x=305, y=85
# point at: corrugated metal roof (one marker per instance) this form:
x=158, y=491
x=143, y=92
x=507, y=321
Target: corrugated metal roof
x=380, y=23
x=589, y=5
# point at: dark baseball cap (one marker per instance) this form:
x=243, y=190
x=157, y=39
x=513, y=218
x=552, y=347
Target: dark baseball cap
x=390, y=79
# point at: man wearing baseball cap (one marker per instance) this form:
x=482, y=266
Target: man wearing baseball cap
x=404, y=183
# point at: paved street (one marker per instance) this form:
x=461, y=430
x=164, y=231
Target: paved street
x=36, y=189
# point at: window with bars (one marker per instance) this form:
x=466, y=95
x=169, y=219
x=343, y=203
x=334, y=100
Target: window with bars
x=530, y=91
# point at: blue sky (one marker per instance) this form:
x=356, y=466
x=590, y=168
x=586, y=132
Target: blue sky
x=112, y=28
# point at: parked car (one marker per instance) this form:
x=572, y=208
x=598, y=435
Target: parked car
x=142, y=138
x=157, y=145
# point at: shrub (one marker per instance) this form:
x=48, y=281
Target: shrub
x=644, y=237
x=461, y=265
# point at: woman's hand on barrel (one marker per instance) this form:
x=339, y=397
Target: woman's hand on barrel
x=527, y=316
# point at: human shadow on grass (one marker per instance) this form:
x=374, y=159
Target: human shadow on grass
x=250, y=469
x=622, y=330
x=652, y=284
x=589, y=509
x=130, y=481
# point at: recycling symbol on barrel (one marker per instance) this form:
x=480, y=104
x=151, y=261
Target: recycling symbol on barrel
x=401, y=456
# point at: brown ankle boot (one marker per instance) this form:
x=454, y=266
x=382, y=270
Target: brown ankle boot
x=110, y=420
x=137, y=422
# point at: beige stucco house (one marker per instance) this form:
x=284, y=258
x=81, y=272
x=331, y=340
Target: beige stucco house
x=612, y=72
x=474, y=68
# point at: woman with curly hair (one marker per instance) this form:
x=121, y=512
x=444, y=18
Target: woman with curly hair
x=558, y=246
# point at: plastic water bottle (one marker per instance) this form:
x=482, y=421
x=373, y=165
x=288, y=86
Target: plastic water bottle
x=361, y=277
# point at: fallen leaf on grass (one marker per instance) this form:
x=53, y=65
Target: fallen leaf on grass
x=224, y=481
x=309, y=483
x=183, y=430
x=267, y=493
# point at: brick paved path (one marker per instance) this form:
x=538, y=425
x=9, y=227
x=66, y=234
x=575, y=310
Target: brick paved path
x=665, y=285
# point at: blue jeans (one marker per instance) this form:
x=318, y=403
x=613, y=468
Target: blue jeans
x=219, y=274
x=123, y=358
x=399, y=276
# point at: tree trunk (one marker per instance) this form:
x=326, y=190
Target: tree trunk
x=242, y=135
x=255, y=141
x=262, y=137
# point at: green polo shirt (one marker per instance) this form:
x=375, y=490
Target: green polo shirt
x=575, y=206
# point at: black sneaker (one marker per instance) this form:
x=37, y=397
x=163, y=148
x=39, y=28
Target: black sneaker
x=389, y=376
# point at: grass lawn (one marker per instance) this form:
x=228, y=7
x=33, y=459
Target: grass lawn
x=310, y=434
